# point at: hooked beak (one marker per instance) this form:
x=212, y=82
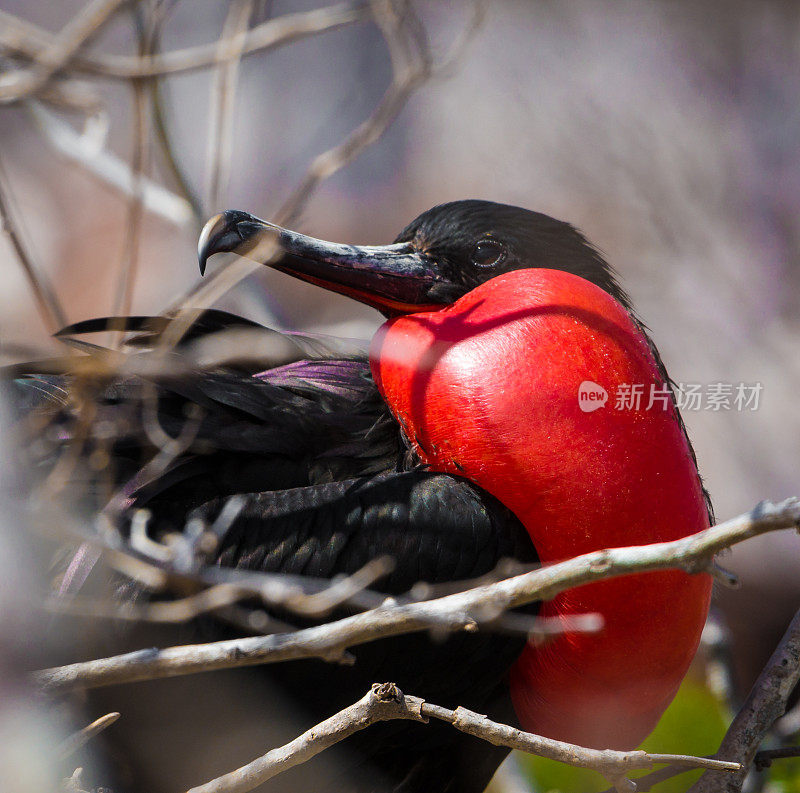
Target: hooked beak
x=395, y=279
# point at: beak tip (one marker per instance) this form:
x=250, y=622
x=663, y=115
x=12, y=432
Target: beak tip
x=208, y=243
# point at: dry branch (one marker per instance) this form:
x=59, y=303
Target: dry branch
x=22, y=38
x=59, y=51
x=461, y=611
x=83, y=150
x=219, y=147
x=129, y=260
x=385, y=701
x=766, y=757
x=382, y=703
x=764, y=705
x=49, y=308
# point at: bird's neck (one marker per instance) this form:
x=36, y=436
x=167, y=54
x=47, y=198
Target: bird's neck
x=490, y=389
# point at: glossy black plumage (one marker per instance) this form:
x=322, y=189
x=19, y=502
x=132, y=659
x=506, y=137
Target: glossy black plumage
x=329, y=480
x=329, y=484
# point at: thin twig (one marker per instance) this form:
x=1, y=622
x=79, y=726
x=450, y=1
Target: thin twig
x=58, y=53
x=169, y=612
x=765, y=757
x=386, y=702
x=382, y=703
x=223, y=102
x=139, y=164
x=24, y=38
x=47, y=303
x=454, y=612
x=410, y=68
x=649, y=781
x=156, y=88
x=107, y=167
x=303, y=596
x=613, y=765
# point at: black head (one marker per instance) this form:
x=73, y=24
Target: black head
x=443, y=254
x=472, y=241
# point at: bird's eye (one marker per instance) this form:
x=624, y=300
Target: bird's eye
x=488, y=253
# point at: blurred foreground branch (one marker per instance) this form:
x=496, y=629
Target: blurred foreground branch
x=461, y=611
x=83, y=150
x=47, y=302
x=21, y=38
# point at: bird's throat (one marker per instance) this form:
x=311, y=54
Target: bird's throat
x=490, y=388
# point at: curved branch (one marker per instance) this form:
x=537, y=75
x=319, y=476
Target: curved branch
x=461, y=611
x=23, y=38
x=385, y=701
x=59, y=50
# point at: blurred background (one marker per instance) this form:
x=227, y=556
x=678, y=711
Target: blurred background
x=668, y=132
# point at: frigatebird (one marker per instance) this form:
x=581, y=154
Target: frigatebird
x=461, y=440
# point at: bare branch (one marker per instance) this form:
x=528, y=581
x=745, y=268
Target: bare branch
x=304, y=596
x=764, y=705
x=223, y=101
x=410, y=73
x=766, y=757
x=613, y=765
x=47, y=303
x=171, y=611
x=59, y=51
x=468, y=33
x=23, y=38
x=461, y=611
x=105, y=166
x=385, y=702
x=649, y=781
x=382, y=703
x=139, y=163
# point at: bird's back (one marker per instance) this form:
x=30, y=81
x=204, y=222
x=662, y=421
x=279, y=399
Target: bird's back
x=327, y=483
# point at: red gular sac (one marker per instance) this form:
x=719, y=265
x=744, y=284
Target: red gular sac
x=488, y=388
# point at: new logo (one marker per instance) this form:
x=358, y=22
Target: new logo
x=591, y=396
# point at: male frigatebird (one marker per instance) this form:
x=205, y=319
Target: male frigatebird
x=459, y=442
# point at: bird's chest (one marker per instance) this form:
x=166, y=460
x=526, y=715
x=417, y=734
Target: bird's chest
x=492, y=387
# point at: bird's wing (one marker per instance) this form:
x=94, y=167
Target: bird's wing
x=328, y=485
x=437, y=528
